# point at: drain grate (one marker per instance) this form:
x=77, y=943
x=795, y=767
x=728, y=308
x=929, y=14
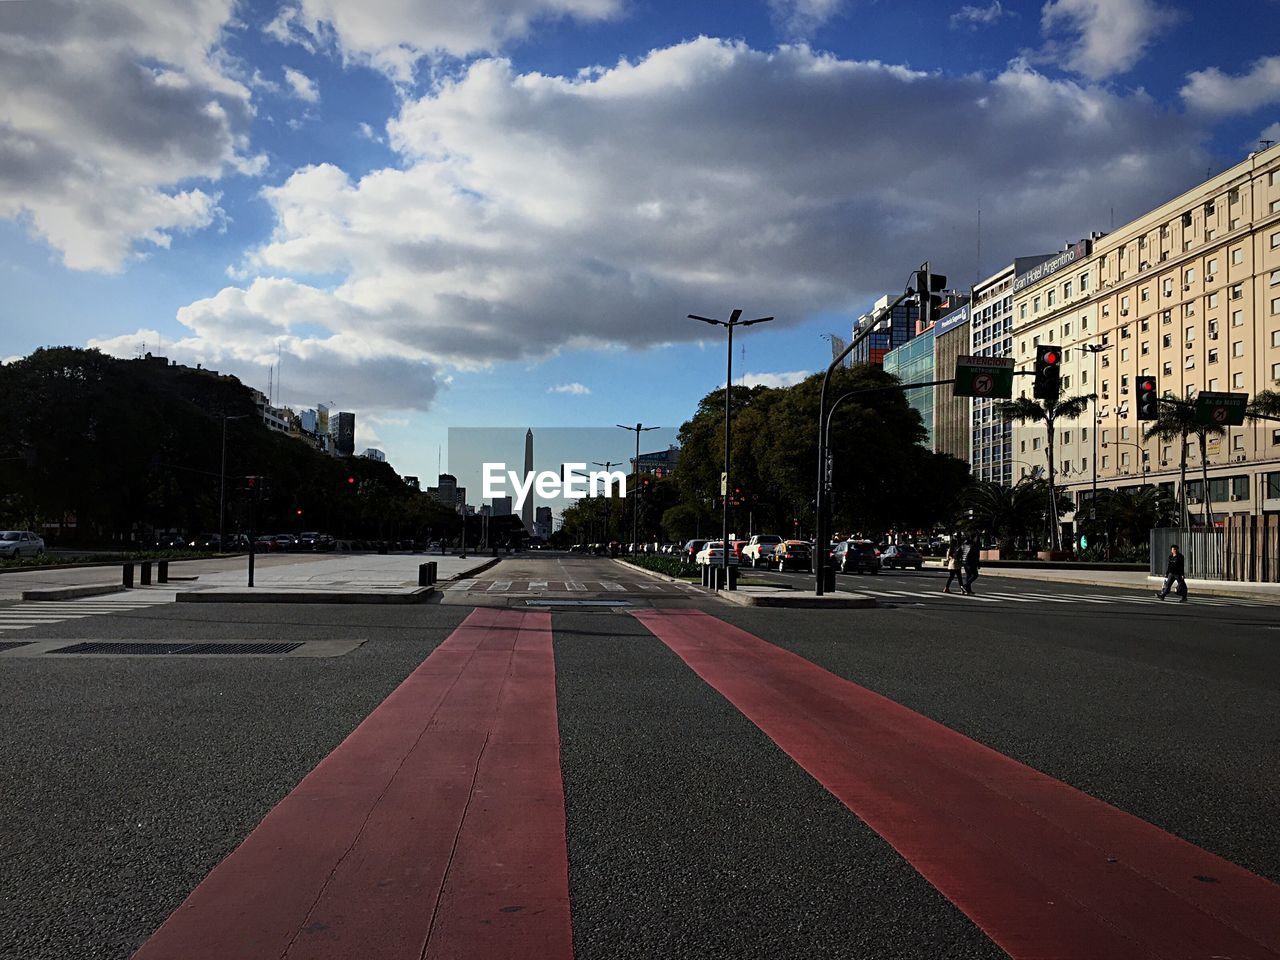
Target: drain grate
x=178, y=649
x=12, y=644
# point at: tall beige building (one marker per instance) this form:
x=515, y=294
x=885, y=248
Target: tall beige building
x=1188, y=294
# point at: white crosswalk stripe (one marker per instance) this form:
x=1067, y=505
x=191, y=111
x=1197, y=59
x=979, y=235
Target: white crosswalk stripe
x=1094, y=599
x=37, y=613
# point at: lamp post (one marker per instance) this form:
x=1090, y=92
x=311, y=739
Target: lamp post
x=735, y=320
x=1095, y=349
x=222, y=484
x=609, y=465
x=639, y=428
x=878, y=322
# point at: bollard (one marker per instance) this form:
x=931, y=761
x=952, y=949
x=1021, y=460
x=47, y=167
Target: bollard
x=424, y=574
x=829, y=579
x=382, y=546
x=705, y=570
x=733, y=578
x=146, y=573
x=162, y=570
x=432, y=571
x=127, y=578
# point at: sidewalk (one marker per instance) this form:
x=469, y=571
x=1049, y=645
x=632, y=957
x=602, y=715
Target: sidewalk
x=1135, y=580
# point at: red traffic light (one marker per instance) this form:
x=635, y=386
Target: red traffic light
x=1051, y=357
x=1147, y=385
x=298, y=511
x=351, y=479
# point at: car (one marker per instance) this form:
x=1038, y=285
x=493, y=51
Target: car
x=315, y=542
x=713, y=554
x=689, y=552
x=796, y=554
x=266, y=544
x=901, y=555
x=286, y=541
x=170, y=541
x=855, y=556
x=16, y=544
x=759, y=548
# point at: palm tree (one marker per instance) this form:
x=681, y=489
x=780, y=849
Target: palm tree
x=1050, y=413
x=1264, y=406
x=1135, y=510
x=1178, y=421
x=1005, y=512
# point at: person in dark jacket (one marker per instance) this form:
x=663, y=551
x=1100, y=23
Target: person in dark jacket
x=1173, y=574
x=969, y=561
x=954, y=572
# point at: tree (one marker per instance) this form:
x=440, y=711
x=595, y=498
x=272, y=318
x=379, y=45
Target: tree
x=1050, y=413
x=1007, y=513
x=1264, y=406
x=1177, y=421
x=1133, y=511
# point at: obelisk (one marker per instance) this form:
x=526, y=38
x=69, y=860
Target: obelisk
x=526, y=512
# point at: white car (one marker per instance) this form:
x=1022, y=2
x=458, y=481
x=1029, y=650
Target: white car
x=759, y=549
x=20, y=543
x=713, y=553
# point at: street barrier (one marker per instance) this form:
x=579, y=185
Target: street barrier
x=162, y=571
x=127, y=576
x=146, y=573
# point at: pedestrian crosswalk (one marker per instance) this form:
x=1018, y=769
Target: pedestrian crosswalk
x=1095, y=599
x=39, y=613
x=568, y=586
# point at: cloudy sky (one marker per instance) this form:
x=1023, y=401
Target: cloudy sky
x=443, y=213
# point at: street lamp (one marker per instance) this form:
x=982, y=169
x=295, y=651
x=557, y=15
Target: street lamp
x=1095, y=349
x=735, y=320
x=639, y=428
x=879, y=322
x=222, y=484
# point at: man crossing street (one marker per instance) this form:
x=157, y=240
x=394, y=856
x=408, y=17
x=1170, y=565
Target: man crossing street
x=1173, y=574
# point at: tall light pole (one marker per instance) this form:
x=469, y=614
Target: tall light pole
x=735, y=320
x=609, y=465
x=222, y=485
x=1095, y=349
x=639, y=428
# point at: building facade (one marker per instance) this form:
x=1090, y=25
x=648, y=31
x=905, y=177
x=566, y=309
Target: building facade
x=661, y=463
x=913, y=362
x=950, y=413
x=1188, y=294
x=344, y=434
x=542, y=523
x=903, y=327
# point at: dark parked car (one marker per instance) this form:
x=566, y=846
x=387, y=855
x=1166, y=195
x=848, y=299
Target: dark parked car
x=792, y=554
x=856, y=556
x=689, y=552
x=315, y=542
x=901, y=555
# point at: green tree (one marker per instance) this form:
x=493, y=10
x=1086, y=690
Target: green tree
x=1133, y=511
x=1008, y=513
x=1050, y=413
x=1177, y=421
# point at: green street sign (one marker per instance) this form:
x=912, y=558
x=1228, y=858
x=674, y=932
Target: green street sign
x=1221, y=409
x=984, y=377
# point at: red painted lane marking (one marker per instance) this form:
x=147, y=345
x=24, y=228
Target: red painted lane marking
x=1044, y=869
x=436, y=829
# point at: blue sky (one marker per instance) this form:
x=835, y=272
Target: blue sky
x=499, y=213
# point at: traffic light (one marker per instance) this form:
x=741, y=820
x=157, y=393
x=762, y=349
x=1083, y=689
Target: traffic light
x=1048, y=384
x=298, y=512
x=1148, y=399
x=928, y=288
x=351, y=481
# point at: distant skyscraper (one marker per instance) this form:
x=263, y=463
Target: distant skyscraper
x=542, y=525
x=344, y=434
x=526, y=512
x=501, y=507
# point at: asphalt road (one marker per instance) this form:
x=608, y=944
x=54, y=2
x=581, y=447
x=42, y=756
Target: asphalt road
x=690, y=833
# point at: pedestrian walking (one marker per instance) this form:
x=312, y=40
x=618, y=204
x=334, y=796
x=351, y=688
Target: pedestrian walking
x=954, y=572
x=969, y=561
x=1173, y=574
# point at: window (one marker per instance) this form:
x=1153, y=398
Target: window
x=1124, y=354
x=1275, y=338
x=1124, y=386
x=1211, y=301
x=1237, y=442
x=1124, y=433
x=1035, y=305
x=1237, y=291
x=1144, y=294
x=1052, y=298
x=1186, y=219
x=1189, y=276
x=1237, y=318
x=1022, y=311
x=1166, y=340
x=1066, y=330
x=1066, y=436
x=1240, y=486
x=1190, y=364
x=1168, y=287
x=1146, y=347
x=1237, y=381
x=1190, y=333
x=1218, y=489
x=1211, y=267
x=1066, y=290
x=1144, y=326
x=1106, y=387
x=1237, y=256
x=1213, y=386
x=1035, y=443
x=1124, y=459
x=1084, y=282
x=1274, y=279
x=1237, y=348
x=1275, y=305
x=1189, y=309
x=1275, y=240
x=1124, y=303
x=1275, y=371
x=1168, y=369
x=1213, y=356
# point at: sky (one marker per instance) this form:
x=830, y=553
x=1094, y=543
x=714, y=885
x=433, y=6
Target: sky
x=499, y=213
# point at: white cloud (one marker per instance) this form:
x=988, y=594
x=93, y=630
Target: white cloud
x=526, y=214
x=1271, y=133
x=577, y=389
x=799, y=19
x=788, y=379
x=1216, y=92
x=303, y=87
x=393, y=36
x=105, y=110
x=369, y=133
x=1102, y=38
x=973, y=17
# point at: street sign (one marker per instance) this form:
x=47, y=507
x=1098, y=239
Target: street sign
x=724, y=483
x=1221, y=409
x=984, y=377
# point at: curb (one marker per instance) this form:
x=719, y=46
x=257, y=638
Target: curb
x=842, y=601
x=72, y=593
x=491, y=562
x=114, y=563
x=418, y=595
